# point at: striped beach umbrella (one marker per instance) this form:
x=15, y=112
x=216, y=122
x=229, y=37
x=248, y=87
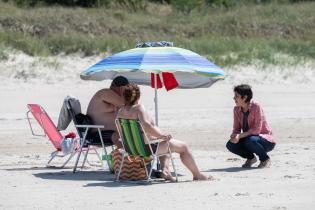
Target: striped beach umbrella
x=172, y=67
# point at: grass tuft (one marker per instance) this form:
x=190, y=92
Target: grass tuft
x=240, y=35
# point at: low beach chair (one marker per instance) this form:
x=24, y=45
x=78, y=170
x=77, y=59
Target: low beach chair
x=134, y=141
x=50, y=130
x=86, y=143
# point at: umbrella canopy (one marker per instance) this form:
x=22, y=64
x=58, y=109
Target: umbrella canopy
x=179, y=68
x=190, y=69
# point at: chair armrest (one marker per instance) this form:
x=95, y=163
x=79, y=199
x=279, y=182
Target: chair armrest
x=155, y=141
x=89, y=126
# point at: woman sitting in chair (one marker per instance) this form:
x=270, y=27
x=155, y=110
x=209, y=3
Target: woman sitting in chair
x=134, y=110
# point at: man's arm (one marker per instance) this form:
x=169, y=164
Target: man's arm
x=112, y=98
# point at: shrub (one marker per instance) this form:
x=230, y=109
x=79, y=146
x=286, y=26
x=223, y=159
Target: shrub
x=82, y=3
x=132, y=5
x=186, y=6
x=221, y=3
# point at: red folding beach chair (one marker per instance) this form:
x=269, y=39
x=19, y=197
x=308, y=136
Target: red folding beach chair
x=50, y=130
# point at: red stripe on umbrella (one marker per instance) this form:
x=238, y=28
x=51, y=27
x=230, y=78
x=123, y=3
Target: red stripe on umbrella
x=169, y=81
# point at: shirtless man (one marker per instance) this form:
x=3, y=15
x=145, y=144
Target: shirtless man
x=102, y=110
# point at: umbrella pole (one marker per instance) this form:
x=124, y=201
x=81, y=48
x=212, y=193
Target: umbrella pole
x=158, y=165
x=156, y=100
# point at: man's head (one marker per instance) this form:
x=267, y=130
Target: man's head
x=119, y=82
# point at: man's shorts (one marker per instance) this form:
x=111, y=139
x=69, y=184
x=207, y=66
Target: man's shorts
x=94, y=137
x=154, y=147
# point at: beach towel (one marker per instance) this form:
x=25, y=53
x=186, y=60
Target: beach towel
x=155, y=44
x=64, y=115
x=169, y=81
x=158, y=79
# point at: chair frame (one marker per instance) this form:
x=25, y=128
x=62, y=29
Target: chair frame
x=83, y=140
x=154, y=156
x=56, y=153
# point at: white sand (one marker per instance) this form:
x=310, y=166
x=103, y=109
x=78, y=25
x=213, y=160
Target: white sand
x=200, y=117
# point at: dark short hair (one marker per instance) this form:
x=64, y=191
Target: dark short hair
x=244, y=90
x=119, y=82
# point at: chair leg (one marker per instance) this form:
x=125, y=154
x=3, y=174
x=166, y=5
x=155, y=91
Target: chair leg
x=53, y=155
x=103, y=145
x=107, y=159
x=98, y=154
x=71, y=155
x=78, y=157
x=85, y=157
x=173, y=164
x=82, y=142
x=121, y=165
x=106, y=154
x=151, y=169
x=111, y=169
x=77, y=160
x=146, y=169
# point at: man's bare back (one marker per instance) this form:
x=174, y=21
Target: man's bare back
x=102, y=110
x=103, y=106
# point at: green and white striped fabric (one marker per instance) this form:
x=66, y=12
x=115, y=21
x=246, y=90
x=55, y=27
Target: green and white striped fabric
x=133, y=138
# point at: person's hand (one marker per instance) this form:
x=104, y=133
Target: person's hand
x=235, y=139
x=166, y=137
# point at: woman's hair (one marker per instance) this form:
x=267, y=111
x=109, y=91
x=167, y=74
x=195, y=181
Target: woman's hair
x=131, y=94
x=244, y=90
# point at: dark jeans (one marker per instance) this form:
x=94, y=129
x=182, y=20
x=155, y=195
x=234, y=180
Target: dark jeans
x=247, y=146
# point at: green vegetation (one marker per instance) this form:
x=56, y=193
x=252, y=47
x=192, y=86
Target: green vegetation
x=242, y=34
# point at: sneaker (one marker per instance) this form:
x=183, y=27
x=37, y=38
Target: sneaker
x=265, y=164
x=249, y=162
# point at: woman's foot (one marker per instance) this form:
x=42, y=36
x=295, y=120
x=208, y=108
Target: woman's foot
x=265, y=164
x=168, y=176
x=249, y=162
x=202, y=177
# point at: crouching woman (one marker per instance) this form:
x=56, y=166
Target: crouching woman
x=251, y=133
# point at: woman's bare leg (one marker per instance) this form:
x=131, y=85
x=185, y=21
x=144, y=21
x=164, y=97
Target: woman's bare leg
x=116, y=141
x=164, y=160
x=185, y=156
x=166, y=173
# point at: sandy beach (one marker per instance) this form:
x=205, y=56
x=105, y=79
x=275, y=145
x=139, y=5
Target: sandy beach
x=200, y=117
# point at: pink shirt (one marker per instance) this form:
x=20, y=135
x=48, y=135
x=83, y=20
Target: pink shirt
x=256, y=122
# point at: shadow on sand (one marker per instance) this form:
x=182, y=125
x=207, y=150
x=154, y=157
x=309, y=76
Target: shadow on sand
x=35, y=168
x=230, y=169
x=130, y=183
x=105, y=178
x=78, y=176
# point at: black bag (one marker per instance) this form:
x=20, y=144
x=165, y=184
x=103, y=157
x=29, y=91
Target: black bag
x=82, y=119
